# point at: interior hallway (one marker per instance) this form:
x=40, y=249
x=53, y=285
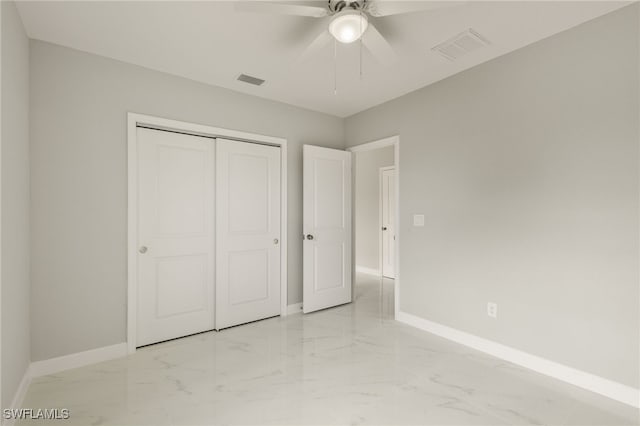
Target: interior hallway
x=347, y=365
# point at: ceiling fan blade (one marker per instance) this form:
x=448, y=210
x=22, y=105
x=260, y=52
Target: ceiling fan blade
x=281, y=8
x=317, y=44
x=378, y=45
x=382, y=8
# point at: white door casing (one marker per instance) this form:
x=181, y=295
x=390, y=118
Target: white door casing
x=393, y=141
x=134, y=122
x=175, y=235
x=248, y=232
x=326, y=228
x=387, y=219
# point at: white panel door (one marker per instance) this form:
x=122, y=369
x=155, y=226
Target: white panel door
x=326, y=227
x=388, y=203
x=175, y=235
x=248, y=232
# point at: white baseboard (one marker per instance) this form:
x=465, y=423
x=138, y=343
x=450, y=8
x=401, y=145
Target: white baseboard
x=79, y=359
x=55, y=365
x=614, y=390
x=294, y=308
x=368, y=271
x=18, y=398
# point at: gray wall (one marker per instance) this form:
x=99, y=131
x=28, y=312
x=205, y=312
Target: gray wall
x=367, y=204
x=15, y=202
x=79, y=103
x=526, y=168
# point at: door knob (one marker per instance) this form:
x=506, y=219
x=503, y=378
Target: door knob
x=143, y=249
x=309, y=237
x=384, y=228
x=275, y=241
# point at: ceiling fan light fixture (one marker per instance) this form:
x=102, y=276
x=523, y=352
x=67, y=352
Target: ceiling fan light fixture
x=348, y=26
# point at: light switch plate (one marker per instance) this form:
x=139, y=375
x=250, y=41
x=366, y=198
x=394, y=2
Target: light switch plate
x=418, y=220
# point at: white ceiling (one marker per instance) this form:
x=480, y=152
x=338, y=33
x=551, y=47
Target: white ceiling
x=211, y=42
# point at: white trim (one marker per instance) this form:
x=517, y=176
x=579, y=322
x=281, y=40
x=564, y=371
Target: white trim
x=614, y=390
x=377, y=144
x=62, y=363
x=132, y=230
x=368, y=271
x=284, y=259
x=294, y=308
x=369, y=146
x=21, y=393
x=202, y=130
x=78, y=359
x=133, y=120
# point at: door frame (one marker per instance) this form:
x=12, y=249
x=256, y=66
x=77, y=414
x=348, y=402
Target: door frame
x=381, y=170
x=135, y=120
x=370, y=146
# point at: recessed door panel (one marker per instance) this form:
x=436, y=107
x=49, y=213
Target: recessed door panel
x=248, y=181
x=181, y=187
x=182, y=285
x=328, y=184
x=175, y=235
x=329, y=278
x=248, y=232
x=248, y=276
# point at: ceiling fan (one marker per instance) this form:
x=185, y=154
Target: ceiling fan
x=348, y=20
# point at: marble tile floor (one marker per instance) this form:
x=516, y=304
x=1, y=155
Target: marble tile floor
x=348, y=365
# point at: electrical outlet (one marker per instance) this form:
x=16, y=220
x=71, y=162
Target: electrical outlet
x=492, y=309
x=418, y=220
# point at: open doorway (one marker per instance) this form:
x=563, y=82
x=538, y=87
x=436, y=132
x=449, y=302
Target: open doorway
x=374, y=224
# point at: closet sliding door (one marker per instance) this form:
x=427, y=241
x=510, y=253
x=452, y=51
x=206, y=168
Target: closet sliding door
x=247, y=232
x=175, y=235
x=208, y=234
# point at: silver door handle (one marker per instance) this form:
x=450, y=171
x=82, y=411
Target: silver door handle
x=309, y=237
x=143, y=249
x=275, y=241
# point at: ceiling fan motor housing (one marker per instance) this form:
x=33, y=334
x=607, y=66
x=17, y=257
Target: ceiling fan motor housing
x=336, y=6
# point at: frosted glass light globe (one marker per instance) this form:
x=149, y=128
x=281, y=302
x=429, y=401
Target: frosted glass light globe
x=348, y=26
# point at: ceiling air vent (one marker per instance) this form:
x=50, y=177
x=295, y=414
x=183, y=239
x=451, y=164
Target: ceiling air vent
x=249, y=79
x=461, y=44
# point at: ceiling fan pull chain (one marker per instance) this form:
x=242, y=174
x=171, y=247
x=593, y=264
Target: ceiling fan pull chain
x=335, y=67
x=360, y=45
